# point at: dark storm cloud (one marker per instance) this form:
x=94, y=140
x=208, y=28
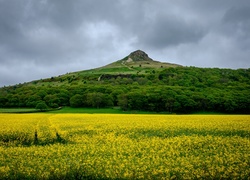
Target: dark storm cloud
x=236, y=24
x=171, y=31
x=45, y=38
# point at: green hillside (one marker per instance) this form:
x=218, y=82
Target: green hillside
x=138, y=82
x=137, y=63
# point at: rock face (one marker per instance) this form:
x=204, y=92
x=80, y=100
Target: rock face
x=139, y=56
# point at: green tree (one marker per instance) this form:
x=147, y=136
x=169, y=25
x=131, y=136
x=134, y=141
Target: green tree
x=115, y=95
x=95, y=99
x=123, y=101
x=12, y=100
x=3, y=101
x=42, y=93
x=137, y=100
x=169, y=104
x=107, y=101
x=76, y=101
x=52, y=100
x=42, y=106
x=63, y=98
x=33, y=100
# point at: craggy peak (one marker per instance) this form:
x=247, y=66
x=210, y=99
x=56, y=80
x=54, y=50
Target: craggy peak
x=139, y=56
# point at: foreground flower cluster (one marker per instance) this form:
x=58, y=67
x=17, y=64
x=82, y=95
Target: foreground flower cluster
x=81, y=146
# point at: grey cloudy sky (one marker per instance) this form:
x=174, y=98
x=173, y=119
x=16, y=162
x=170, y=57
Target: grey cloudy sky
x=44, y=38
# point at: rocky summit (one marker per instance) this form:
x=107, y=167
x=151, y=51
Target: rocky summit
x=139, y=56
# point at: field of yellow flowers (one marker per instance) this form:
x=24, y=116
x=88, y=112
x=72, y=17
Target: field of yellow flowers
x=108, y=146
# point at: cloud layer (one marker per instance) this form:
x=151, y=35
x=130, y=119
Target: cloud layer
x=44, y=38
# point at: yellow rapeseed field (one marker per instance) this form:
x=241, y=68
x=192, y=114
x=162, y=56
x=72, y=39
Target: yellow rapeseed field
x=108, y=146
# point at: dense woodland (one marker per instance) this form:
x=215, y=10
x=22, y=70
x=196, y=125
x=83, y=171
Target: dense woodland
x=173, y=90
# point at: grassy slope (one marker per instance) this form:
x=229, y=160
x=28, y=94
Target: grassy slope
x=17, y=110
x=75, y=110
x=118, y=67
x=114, y=110
x=99, y=111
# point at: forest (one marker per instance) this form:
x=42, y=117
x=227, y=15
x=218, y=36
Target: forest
x=171, y=90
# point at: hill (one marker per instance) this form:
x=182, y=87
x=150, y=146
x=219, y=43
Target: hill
x=138, y=60
x=136, y=63
x=138, y=82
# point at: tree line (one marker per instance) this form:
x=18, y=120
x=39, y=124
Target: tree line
x=173, y=90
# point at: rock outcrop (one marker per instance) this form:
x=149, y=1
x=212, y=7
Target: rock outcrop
x=139, y=56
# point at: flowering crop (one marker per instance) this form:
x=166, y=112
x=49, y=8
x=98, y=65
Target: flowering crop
x=107, y=146
x=17, y=130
